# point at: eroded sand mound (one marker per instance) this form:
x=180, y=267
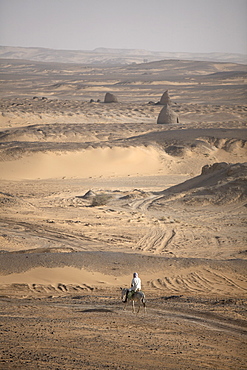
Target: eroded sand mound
x=73, y=150
x=219, y=184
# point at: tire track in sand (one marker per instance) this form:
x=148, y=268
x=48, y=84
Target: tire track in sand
x=159, y=237
x=202, y=280
x=156, y=240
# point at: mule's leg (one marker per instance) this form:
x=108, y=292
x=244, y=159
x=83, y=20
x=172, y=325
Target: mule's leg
x=139, y=307
x=144, y=305
x=133, y=306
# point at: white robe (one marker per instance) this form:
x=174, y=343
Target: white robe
x=136, y=284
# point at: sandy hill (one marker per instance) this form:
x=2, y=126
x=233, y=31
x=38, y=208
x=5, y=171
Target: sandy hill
x=218, y=184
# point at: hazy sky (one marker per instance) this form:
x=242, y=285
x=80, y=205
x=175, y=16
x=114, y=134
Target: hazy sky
x=157, y=25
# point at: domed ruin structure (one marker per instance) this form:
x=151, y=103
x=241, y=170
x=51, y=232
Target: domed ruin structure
x=110, y=98
x=167, y=116
x=165, y=99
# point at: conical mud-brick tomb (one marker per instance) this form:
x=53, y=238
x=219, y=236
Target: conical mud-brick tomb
x=165, y=99
x=110, y=98
x=167, y=115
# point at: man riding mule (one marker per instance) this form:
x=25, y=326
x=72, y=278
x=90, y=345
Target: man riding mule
x=134, y=294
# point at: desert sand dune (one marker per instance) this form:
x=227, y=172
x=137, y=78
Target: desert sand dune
x=91, y=192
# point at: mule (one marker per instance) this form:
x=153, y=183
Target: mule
x=136, y=297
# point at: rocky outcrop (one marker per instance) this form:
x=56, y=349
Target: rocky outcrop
x=110, y=98
x=167, y=116
x=89, y=195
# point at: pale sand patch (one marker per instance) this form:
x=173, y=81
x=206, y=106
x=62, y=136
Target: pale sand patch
x=91, y=162
x=65, y=275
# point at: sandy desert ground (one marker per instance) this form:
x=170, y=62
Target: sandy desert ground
x=93, y=191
